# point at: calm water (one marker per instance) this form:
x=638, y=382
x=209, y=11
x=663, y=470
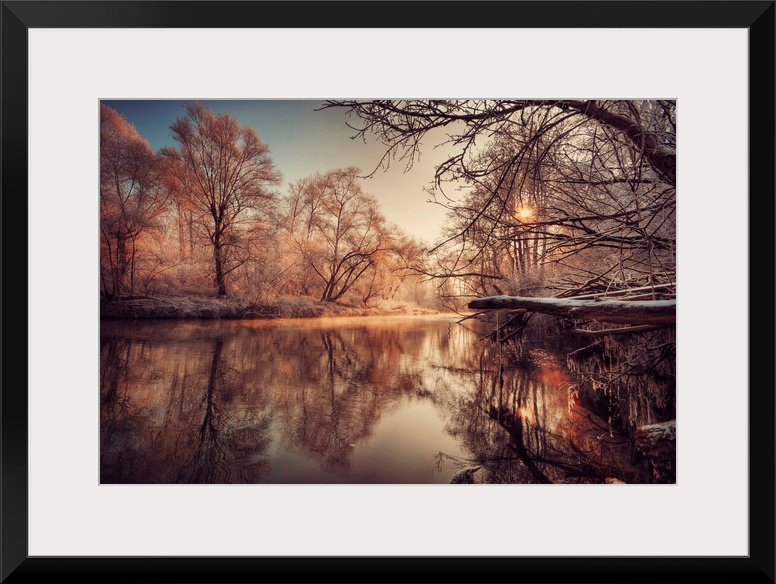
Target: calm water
x=355, y=400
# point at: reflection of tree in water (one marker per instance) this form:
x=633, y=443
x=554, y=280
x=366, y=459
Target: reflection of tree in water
x=117, y=415
x=205, y=404
x=527, y=425
x=187, y=430
x=339, y=393
x=345, y=379
x=221, y=451
x=214, y=404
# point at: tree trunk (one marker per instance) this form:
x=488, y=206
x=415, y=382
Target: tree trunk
x=220, y=283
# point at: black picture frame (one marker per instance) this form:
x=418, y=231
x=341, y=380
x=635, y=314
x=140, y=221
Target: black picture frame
x=756, y=16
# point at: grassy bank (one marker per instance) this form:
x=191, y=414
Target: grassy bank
x=230, y=308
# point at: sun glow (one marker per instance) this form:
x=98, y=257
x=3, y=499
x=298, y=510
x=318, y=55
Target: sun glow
x=524, y=213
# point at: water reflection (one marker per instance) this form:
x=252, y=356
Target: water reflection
x=382, y=400
x=532, y=427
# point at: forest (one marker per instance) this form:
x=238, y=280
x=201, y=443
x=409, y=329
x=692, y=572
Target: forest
x=561, y=222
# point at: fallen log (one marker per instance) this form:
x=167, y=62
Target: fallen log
x=654, y=312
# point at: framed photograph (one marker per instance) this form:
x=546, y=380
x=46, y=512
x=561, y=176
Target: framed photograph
x=187, y=179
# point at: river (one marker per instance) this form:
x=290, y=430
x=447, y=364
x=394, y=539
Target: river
x=378, y=400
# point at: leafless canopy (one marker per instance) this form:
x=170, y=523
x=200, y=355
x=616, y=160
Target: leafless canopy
x=571, y=195
x=223, y=173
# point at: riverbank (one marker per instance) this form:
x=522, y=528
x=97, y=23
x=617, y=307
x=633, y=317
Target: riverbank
x=205, y=307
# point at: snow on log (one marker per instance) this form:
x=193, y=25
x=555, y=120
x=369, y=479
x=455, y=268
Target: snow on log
x=616, y=311
x=657, y=440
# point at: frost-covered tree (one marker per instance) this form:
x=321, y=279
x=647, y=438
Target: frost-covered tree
x=225, y=177
x=132, y=197
x=337, y=229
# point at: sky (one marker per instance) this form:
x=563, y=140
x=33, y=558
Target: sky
x=303, y=141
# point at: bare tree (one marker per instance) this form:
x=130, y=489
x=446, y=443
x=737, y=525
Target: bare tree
x=337, y=229
x=132, y=197
x=394, y=269
x=225, y=177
